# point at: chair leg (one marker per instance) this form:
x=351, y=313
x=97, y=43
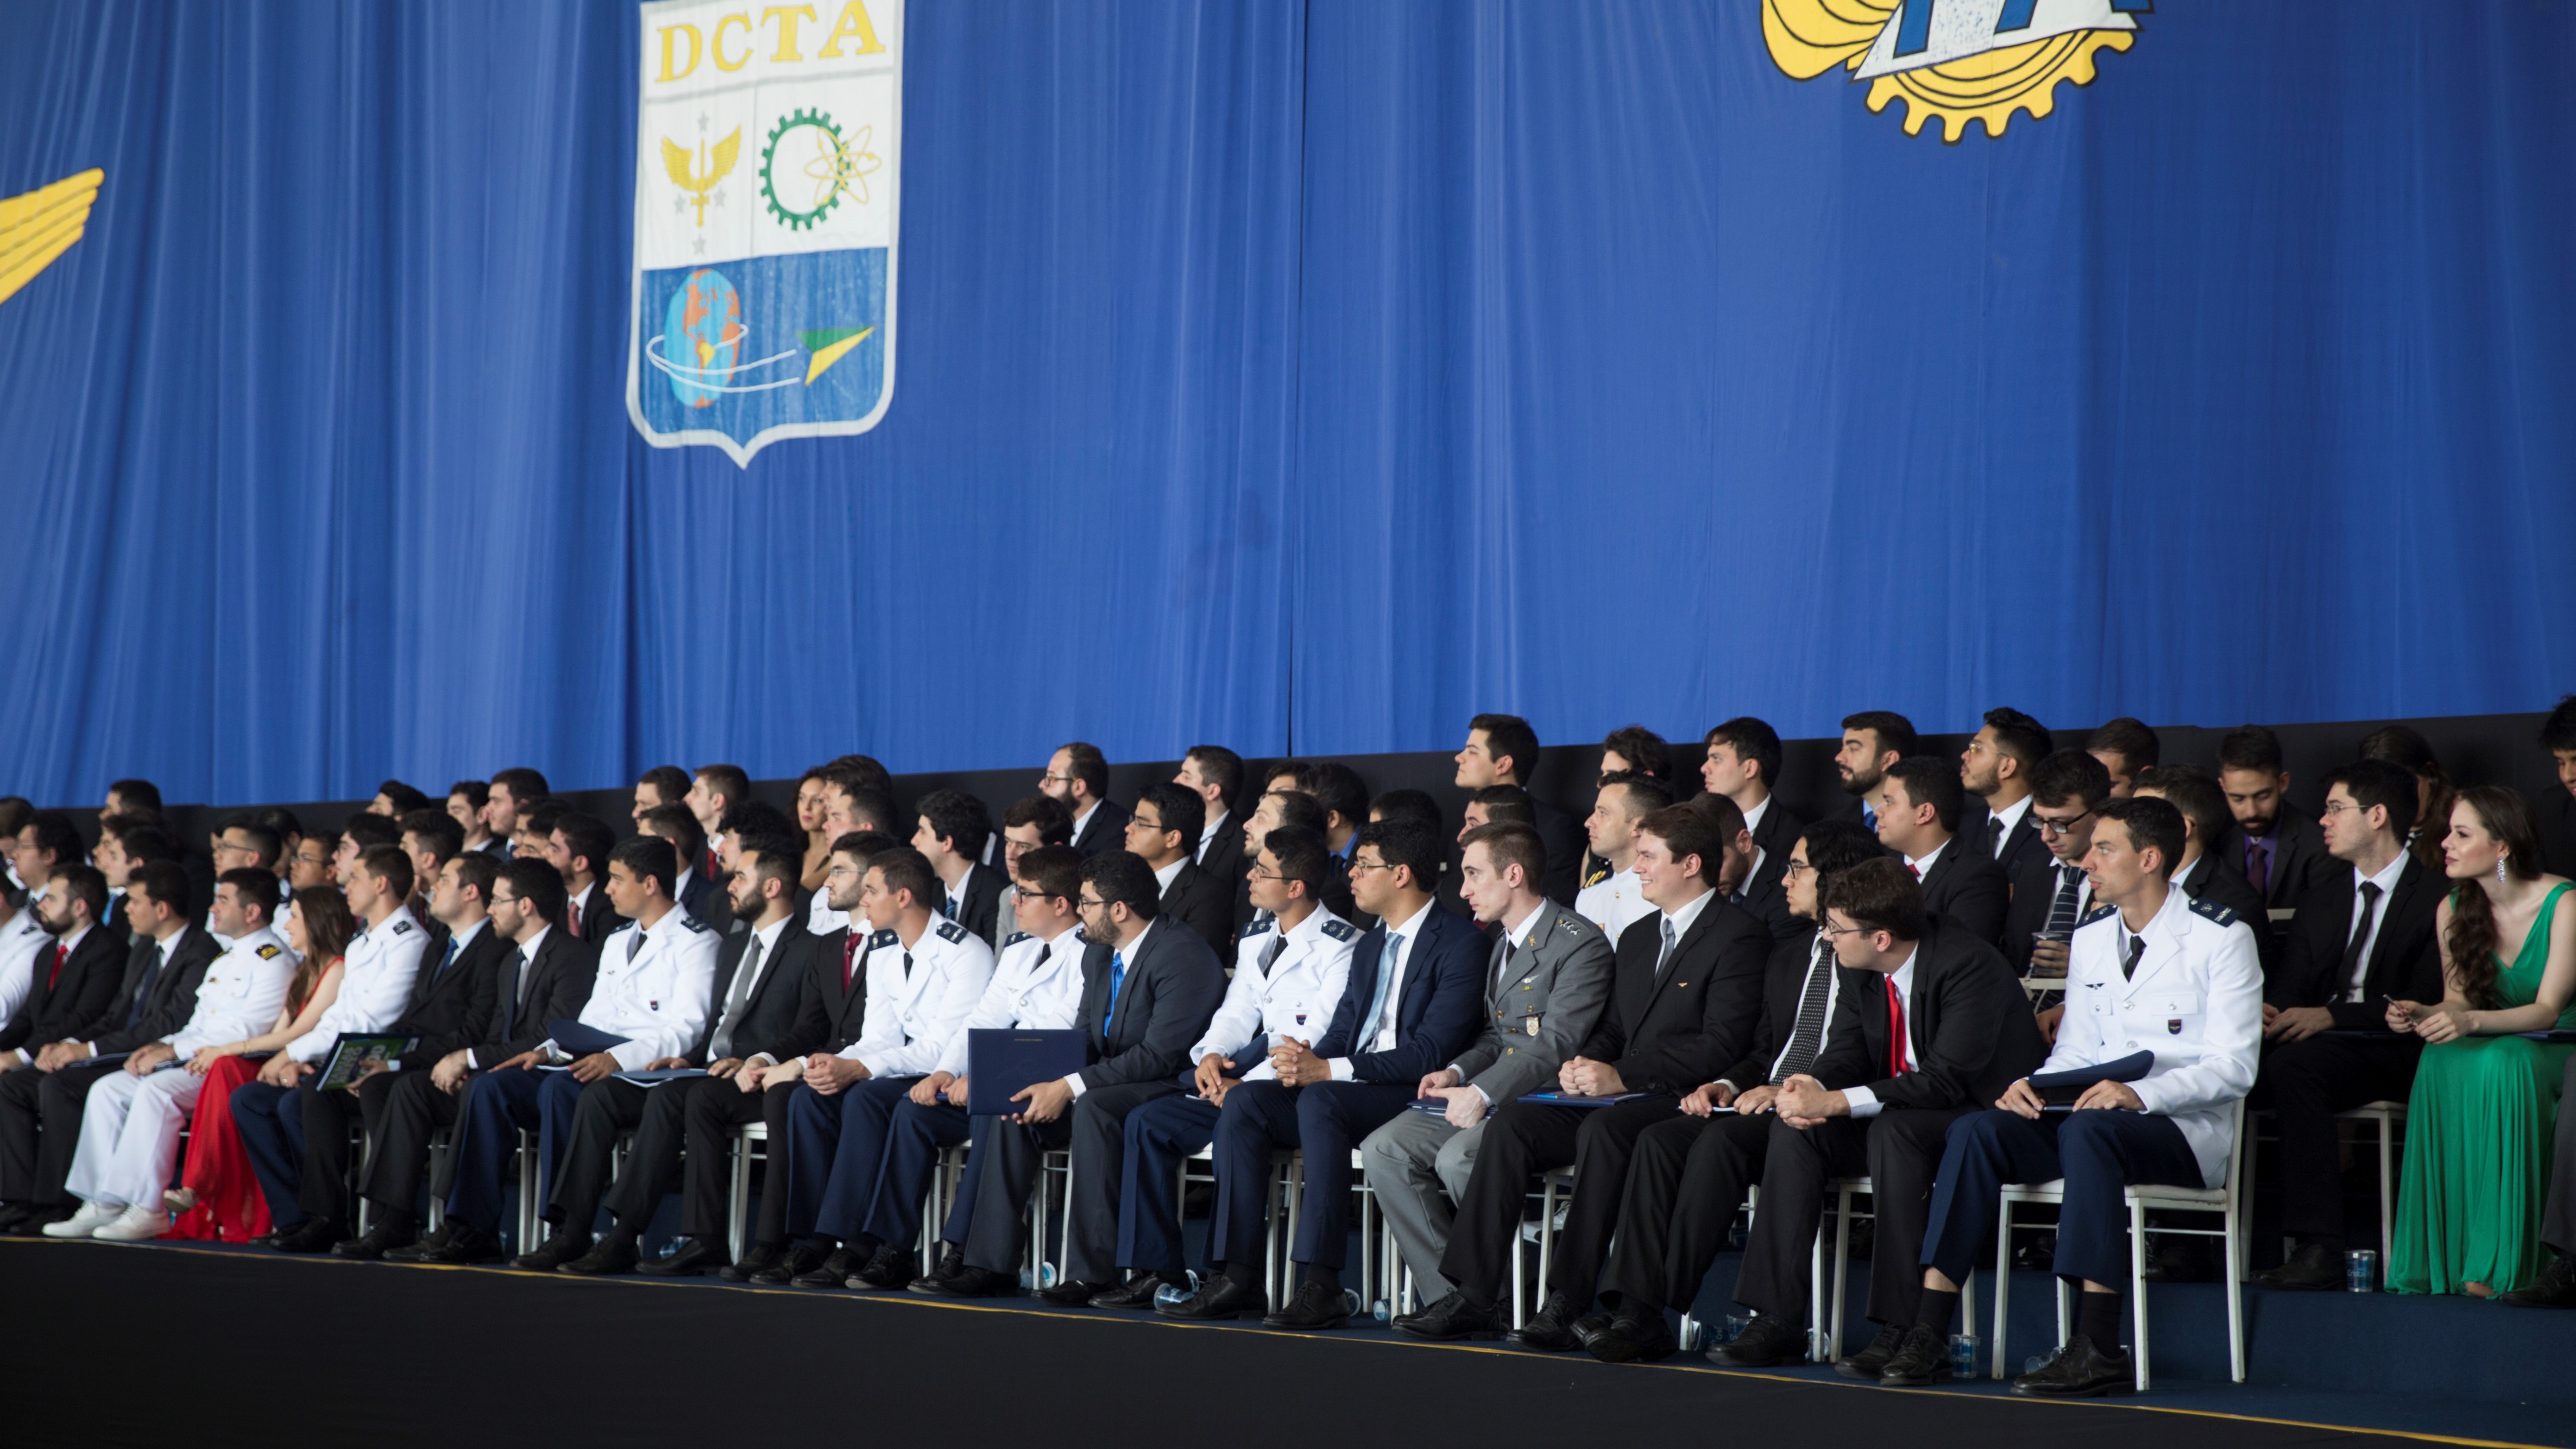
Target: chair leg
x=1368, y=1248
x=738, y=1202
x=1817, y=1312
x=2003, y=1279
x=2235, y=1306
x=2138, y=1287
x=1842, y=1269
x=1968, y=1310
x=2387, y=1201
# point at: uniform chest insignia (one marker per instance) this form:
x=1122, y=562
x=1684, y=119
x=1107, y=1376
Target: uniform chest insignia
x=952, y=933
x=2099, y=913
x=269, y=953
x=882, y=938
x=2173, y=1026
x=1257, y=928
x=1341, y=930
x=1596, y=878
x=1016, y=938
x=696, y=926
x=2213, y=910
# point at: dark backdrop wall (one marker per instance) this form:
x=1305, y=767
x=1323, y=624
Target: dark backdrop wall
x=1299, y=374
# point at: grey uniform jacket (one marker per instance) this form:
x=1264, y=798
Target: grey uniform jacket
x=1540, y=1004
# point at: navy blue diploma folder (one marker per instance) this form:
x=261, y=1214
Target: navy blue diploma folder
x=577, y=1040
x=2060, y=1089
x=1001, y=1061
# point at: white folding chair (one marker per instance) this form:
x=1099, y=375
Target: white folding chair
x=2228, y=1201
x=2387, y=1120
x=1555, y=1185
x=1844, y=1190
x=1054, y=1162
x=738, y=1196
x=532, y=1195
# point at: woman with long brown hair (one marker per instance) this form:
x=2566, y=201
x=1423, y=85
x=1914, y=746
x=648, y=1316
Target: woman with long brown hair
x=812, y=799
x=2485, y=1106
x=219, y=1195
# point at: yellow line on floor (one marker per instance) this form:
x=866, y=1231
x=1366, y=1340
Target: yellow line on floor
x=914, y=1300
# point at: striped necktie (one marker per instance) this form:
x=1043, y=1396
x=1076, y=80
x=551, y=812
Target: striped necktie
x=1807, y=1038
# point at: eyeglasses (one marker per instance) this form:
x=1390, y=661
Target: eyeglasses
x=1089, y=904
x=2046, y=826
x=2337, y=807
x=1259, y=874
x=1360, y=865
x=1044, y=778
x=1830, y=931
x=1796, y=867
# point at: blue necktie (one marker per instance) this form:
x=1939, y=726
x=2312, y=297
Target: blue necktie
x=1117, y=978
x=448, y=960
x=1377, y=994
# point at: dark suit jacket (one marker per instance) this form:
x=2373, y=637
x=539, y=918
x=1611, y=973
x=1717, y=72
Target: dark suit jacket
x=1673, y=1031
x=2299, y=859
x=1848, y=809
x=599, y=918
x=168, y=1001
x=1969, y=1025
x=2555, y=813
x=706, y=900
x=1105, y=830
x=771, y=1012
x=1441, y=1005
x=979, y=903
x=1203, y=903
x=2405, y=962
x=1224, y=860
x=2023, y=849
x=1783, y=978
x=1563, y=836
x=452, y=1009
x=1766, y=896
x=1169, y=995
x=2209, y=880
x=1780, y=828
x=828, y=1017
x=2027, y=916
x=559, y=982
x=67, y=1009
x=1967, y=889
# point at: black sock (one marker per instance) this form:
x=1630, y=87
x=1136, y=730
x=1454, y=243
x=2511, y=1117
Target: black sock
x=398, y=1223
x=1933, y=1309
x=620, y=1234
x=2099, y=1320
x=1328, y=1279
x=1638, y=1308
x=1246, y=1276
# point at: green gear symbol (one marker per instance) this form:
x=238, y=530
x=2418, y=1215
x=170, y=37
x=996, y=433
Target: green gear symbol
x=828, y=183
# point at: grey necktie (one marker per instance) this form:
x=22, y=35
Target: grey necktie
x=1807, y=1037
x=1386, y=960
x=743, y=975
x=2137, y=949
x=635, y=943
x=1665, y=955
x=2061, y=908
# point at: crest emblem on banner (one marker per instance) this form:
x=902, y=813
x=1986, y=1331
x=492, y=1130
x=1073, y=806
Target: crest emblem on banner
x=1954, y=60
x=768, y=161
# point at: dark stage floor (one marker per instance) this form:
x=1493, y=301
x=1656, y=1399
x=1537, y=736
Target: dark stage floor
x=129, y=1345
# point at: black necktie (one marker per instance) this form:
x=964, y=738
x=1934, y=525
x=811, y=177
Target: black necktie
x=512, y=989
x=635, y=943
x=2352, y=950
x=1269, y=953
x=143, y=989
x=1994, y=835
x=2062, y=908
x=1808, y=1036
x=2137, y=949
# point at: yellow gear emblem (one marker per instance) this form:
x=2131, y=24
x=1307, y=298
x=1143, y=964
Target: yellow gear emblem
x=1959, y=60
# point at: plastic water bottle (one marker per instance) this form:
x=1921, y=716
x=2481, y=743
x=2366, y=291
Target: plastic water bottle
x=1352, y=1304
x=2361, y=1270
x=1383, y=1311
x=1963, y=1355
x=1172, y=1295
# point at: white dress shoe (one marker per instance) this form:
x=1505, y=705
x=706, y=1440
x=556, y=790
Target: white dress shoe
x=136, y=1224
x=91, y=1217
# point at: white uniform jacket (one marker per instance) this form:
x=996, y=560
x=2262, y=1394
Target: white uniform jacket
x=1026, y=991
x=1295, y=998
x=375, y=985
x=240, y=995
x=915, y=1016
x=659, y=1000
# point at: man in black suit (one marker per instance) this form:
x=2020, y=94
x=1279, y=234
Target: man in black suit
x=546, y=975
x=1918, y=815
x=430, y=840
x=1161, y=832
x=1077, y=774
x=1502, y=749
x=1872, y=740
x=511, y=791
x=2202, y=876
x=1215, y=774
x=1140, y=1016
x=831, y=1010
x=1685, y=999
x=1753, y=880
x=1742, y=763
x=47, y=840
x=713, y=790
x=578, y=849
x=154, y=999
x=950, y=828
x=1931, y=1025
x=2555, y=811
x=1691, y=1175
x=698, y=893
x=2278, y=849
x=2355, y=942
x=2049, y=900
x=760, y=972
x=2126, y=748
x=450, y=1009
x=1996, y=768
x=75, y=978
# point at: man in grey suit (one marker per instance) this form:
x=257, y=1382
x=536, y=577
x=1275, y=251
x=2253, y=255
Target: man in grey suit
x=1545, y=987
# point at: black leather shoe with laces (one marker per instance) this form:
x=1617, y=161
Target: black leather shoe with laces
x=1769, y=1341
x=1315, y=1307
x=1922, y=1357
x=2554, y=1288
x=1870, y=1362
x=2079, y=1371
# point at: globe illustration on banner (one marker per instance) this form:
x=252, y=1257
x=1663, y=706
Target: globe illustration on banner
x=702, y=336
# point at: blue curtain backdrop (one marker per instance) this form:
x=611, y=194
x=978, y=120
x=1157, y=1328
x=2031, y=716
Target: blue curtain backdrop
x=1273, y=373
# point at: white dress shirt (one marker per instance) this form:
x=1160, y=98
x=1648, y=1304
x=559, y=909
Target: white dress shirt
x=375, y=984
x=1295, y=998
x=914, y=1017
x=1390, y=1011
x=2386, y=880
x=1036, y=985
x=1753, y=817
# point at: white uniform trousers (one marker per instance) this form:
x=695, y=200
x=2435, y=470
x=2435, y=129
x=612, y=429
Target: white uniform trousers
x=129, y=1136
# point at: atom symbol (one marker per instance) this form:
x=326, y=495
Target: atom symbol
x=839, y=167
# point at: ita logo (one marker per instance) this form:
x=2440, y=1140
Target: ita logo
x=1956, y=61
x=768, y=161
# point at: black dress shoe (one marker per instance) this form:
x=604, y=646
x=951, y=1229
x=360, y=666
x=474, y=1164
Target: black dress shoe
x=758, y=1258
x=313, y=1235
x=833, y=1271
x=1551, y=1329
x=2554, y=1288
x=1136, y=1294
x=13, y=1220
x=612, y=1254
x=1870, y=1362
x=888, y=1267
x=2312, y=1266
x=419, y=1250
x=1453, y=1318
x=1768, y=1341
x=1071, y=1293
x=1634, y=1338
x=375, y=1242
x=1314, y=1308
x=2172, y=1259
x=973, y=1282
x=1592, y=1325
x=465, y=1243
x=952, y=1261
x=2079, y=1371
x=1922, y=1357
x=694, y=1258
x=1218, y=1298
x=558, y=1249
x=786, y=1267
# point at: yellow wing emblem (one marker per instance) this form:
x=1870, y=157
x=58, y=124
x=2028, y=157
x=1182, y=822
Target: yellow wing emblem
x=698, y=174
x=42, y=224
x=1807, y=38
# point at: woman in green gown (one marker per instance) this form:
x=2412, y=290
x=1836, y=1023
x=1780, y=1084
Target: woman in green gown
x=2485, y=1104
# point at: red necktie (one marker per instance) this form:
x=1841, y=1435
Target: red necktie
x=1918, y=875
x=573, y=909
x=1895, y=1029
x=61, y=952
x=849, y=956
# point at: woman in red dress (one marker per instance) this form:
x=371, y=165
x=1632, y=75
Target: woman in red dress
x=219, y=1195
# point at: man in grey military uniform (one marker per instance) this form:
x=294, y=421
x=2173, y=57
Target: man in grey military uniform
x=1544, y=990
